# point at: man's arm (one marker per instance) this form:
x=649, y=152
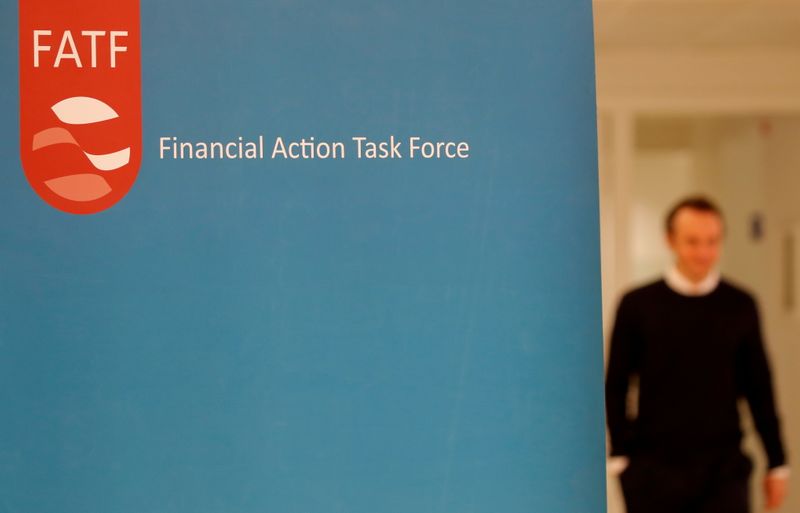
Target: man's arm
x=622, y=363
x=756, y=384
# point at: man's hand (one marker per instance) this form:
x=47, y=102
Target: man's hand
x=617, y=464
x=775, y=488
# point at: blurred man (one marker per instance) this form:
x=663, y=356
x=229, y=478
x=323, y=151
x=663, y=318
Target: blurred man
x=693, y=341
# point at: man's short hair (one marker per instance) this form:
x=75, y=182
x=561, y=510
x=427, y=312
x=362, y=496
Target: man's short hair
x=701, y=203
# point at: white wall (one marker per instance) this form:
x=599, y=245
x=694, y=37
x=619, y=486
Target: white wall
x=782, y=176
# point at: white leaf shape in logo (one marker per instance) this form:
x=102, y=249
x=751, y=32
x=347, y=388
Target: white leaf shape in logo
x=110, y=161
x=82, y=110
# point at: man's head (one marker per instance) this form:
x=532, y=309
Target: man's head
x=694, y=229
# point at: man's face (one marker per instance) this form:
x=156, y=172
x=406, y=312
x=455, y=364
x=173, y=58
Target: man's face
x=696, y=241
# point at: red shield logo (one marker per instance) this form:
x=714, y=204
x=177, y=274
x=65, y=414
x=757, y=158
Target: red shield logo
x=80, y=101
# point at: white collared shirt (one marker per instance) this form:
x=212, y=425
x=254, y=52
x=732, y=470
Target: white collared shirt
x=683, y=285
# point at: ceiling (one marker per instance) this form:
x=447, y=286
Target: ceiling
x=697, y=23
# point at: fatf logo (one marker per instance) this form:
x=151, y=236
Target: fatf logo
x=80, y=101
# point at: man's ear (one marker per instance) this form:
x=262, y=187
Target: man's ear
x=669, y=240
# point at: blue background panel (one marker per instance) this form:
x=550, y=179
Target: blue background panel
x=351, y=336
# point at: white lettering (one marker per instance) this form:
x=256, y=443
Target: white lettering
x=67, y=39
x=37, y=47
x=93, y=38
x=114, y=49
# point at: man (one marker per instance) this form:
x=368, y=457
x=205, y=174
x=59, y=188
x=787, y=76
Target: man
x=693, y=341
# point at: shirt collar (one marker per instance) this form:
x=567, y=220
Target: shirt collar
x=683, y=285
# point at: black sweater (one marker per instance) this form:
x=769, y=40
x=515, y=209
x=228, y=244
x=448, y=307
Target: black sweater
x=695, y=356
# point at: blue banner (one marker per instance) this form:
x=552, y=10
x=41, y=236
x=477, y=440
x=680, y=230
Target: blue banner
x=357, y=271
